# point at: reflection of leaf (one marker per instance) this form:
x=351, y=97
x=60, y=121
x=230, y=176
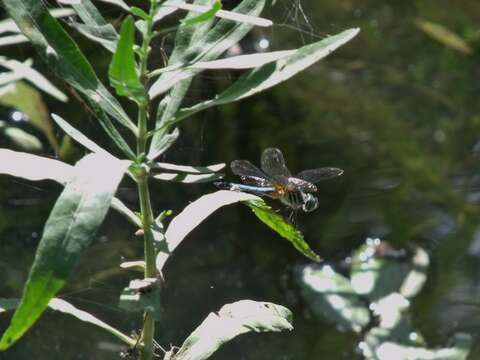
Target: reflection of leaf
x=21, y=138
x=375, y=276
x=230, y=321
x=444, y=35
x=330, y=295
x=376, y=347
x=280, y=225
x=28, y=100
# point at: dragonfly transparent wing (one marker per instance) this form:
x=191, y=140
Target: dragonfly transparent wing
x=315, y=175
x=296, y=184
x=273, y=163
x=249, y=173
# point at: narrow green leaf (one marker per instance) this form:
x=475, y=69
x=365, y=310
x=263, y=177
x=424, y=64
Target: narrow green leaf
x=195, y=213
x=67, y=308
x=63, y=55
x=78, y=136
x=122, y=72
x=281, y=226
x=139, y=12
x=230, y=321
x=29, y=101
x=208, y=14
x=70, y=228
x=272, y=74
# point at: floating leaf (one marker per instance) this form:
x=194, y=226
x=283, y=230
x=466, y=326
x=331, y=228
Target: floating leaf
x=70, y=228
x=281, y=226
x=444, y=35
x=231, y=321
x=329, y=295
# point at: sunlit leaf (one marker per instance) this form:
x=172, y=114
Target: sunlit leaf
x=94, y=26
x=329, y=295
x=187, y=38
x=28, y=100
x=281, y=226
x=188, y=178
x=444, y=35
x=231, y=321
x=9, y=26
x=199, y=42
x=33, y=167
x=188, y=169
x=122, y=72
x=78, y=136
x=207, y=13
x=70, y=228
x=63, y=56
x=142, y=295
x=195, y=213
x=67, y=308
x=33, y=76
x=208, y=46
x=36, y=168
x=271, y=74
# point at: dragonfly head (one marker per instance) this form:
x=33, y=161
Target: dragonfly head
x=310, y=202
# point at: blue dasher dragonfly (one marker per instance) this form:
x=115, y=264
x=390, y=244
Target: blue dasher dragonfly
x=276, y=181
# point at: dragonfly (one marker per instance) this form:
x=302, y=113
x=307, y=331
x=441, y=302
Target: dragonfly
x=275, y=181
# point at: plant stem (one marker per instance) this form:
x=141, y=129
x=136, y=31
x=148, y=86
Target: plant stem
x=148, y=330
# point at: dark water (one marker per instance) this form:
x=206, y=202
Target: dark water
x=398, y=110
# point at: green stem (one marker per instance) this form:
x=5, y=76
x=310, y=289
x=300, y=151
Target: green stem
x=148, y=330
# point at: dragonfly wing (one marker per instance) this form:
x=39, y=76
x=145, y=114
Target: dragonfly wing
x=273, y=163
x=316, y=175
x=296, y=184
x=249, y=173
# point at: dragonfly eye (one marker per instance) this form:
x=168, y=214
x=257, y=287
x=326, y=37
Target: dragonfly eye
x=310, y=202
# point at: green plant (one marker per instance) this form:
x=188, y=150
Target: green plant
x=91, y=184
